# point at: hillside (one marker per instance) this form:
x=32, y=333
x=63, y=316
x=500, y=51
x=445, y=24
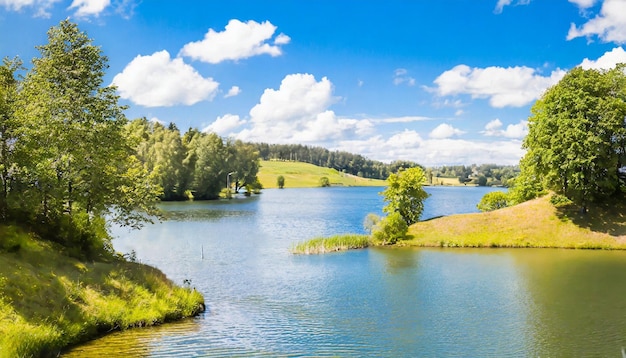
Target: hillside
x=50, y=301
x=303, y=175
x=536, y=223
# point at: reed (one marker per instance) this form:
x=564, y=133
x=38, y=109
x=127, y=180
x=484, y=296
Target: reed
x=335, y=243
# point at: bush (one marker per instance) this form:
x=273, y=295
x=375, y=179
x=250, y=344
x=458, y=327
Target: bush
x=559, y=200
x=390, y=229
x=493, y=201
x=324, y=182
x=280, y=181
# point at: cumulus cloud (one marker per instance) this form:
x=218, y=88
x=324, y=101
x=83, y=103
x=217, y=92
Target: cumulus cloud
x=606, y=61
x=609, y=25
x=233, y=91
x=445, y=130
x=494, y=129
x=409, y=145
x=298, y=112
x=41, y=7
x=86, y=8
x=159, y=81
x=239, y=40
x=401, y=76
x=502, y=3
x=511, y=86
x=225, y=124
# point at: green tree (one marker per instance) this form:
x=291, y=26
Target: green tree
x=493, y=201
x=280, y=181
x=324, y=182
x=72, y=138
x=577, y=135
x=404, y=194
x=390, y=229
x=8, y=128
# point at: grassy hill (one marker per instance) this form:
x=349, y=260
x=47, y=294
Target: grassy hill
x=536, y=223
x=304, y=175
x=50, y=301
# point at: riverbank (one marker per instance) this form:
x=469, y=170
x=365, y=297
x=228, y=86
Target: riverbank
x=535, y=223
x=50, y=301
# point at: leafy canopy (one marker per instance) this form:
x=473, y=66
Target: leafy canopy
x=405, y=195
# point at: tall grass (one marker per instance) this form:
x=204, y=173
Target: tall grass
x=322, y=245
x=50, y=301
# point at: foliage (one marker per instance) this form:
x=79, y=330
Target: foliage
x=389, y=229
x=324, y=182
x=280, y=181
x=482, y=175
x=493, y=201
x=576, y=142
x=559, y=200
x=405, y=195
x=345, y=162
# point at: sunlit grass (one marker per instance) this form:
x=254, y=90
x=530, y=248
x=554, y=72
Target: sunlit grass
x=304, y=175
x=536, y=223
x=49, y=301
x=331, y=244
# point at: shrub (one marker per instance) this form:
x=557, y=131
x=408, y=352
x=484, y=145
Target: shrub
x=280, y=181
x=324, y=182
x=493, y=201
x=390, y=229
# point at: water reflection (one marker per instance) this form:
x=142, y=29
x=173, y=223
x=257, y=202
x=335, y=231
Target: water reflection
x=263, y=301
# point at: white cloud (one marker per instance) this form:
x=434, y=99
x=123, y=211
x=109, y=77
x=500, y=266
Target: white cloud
x=233, y=91
x=609, y=25
x=511, y=86
x=445, y=130
x=502, y=3
x=409, y=145
x=606, y=61
x=459, y=112
x=157, y=120
x=298, y=112
x=400, y=76
x=583, y=4
x=158, y=81
x=517, y=131
x=89, y=7
x=405, y=119
x=41, y=6
x=238, y=41
x=225, y=124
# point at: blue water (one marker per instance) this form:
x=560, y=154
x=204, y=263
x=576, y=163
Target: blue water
x=263, y=301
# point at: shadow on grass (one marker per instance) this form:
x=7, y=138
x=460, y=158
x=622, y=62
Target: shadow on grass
x=608, y=218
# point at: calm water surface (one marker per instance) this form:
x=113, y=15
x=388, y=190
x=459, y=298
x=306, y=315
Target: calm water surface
x=263, y=301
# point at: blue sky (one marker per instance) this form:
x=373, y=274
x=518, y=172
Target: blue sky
x=432, y=81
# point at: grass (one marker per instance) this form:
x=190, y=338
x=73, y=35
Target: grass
x=49, y=301
x=304, y=175
x=535, y=223
x=331, y=244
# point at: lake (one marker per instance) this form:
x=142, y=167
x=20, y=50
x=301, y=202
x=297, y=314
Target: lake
x=262, y=301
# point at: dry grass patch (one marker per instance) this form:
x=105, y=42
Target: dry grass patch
x=535, y=223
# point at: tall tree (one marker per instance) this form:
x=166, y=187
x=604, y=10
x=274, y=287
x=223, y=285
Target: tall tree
x=577, y=133
x=8, y=127
x=73, y=133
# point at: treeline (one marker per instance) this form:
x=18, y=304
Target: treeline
x=350, y=163
x=66, y=161
x=193, y=165
x=482, y=175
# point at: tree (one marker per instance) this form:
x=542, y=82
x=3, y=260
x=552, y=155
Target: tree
x=390, y=229
x=404, y=194
x=324, y=182
x=280, y=181
x=76, y=157
x=493, y=201
x=8, y=128
x=577, y=135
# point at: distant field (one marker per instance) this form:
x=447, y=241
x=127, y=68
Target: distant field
x=448, y=181
x=304, y=175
